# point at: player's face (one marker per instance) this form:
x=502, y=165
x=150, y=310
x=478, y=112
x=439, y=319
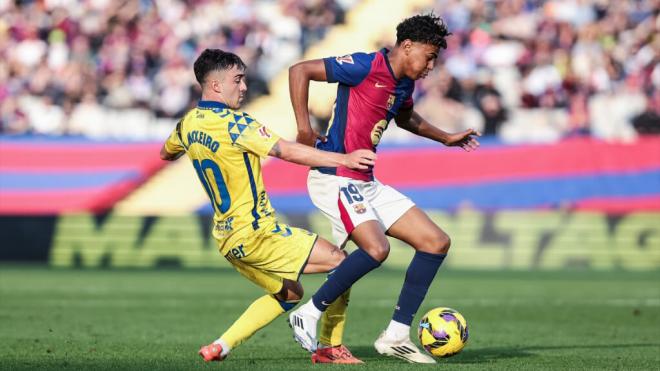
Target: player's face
x=233, y=87
x=420, y=59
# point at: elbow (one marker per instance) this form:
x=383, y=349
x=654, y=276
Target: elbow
x=295, y=71
x=295, y=68
x=166, y=156
x=299, y=72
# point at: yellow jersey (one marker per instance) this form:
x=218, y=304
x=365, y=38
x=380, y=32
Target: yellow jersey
x=225, y=147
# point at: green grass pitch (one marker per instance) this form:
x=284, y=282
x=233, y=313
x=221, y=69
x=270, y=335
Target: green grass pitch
x=157, y=319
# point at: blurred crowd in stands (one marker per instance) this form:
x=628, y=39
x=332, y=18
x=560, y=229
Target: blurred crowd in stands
x=531, y=70
x=67, y=63
x=524, y=70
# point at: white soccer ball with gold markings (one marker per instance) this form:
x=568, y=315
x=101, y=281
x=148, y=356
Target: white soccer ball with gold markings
x=443, y=332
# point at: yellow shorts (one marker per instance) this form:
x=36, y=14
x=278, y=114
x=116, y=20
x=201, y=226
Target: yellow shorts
x=270, y=254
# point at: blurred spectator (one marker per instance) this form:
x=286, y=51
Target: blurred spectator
x=73, y=60
x=556, y=68
x=489, y=102
x=442, y=103
x=559, y=67
x=315, y=17
x=12, y=119
x=648, y=122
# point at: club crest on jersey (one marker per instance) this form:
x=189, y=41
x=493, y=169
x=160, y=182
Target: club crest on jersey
x=264, y=132
x=359, y=208
x=377, y=132
x=390, y=101
x=345, y=59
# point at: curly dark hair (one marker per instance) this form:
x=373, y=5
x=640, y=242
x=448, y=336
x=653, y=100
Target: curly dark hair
x=424, y=28
x=215, y=59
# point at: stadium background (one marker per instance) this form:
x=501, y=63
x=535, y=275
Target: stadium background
x=566, y=92
x=567, y=95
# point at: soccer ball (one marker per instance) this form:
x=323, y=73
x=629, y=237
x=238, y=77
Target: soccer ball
x=443, y=332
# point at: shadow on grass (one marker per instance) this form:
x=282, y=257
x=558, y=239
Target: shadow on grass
x=369, y=355
x=484, y=355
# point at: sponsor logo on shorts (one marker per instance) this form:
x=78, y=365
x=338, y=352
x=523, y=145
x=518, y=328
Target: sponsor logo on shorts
x=359, y=208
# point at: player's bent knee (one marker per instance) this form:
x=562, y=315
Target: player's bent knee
x=380, y=252
x=436, y=244
x=443, y=242
x=447, y=244
x=296, y=294
x=292, y=292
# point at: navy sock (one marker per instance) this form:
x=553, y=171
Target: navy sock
x=420, y=274
x=345, y=275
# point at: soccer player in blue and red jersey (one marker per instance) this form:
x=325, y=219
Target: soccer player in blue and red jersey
x=373, y=89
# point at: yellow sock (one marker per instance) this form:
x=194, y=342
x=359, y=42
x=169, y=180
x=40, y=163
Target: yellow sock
x=333, y=320
x=260, y=313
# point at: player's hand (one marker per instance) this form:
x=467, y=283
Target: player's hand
x=361, y=159
x=465, y=139
x=309, y=137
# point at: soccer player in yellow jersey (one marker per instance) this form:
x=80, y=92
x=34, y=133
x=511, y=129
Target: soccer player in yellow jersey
x=225, y=146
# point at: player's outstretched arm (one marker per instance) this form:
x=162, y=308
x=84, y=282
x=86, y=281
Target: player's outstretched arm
x=300, y=75
x=414, y=123
x=309, y=156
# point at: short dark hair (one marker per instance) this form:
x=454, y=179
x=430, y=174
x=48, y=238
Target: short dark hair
x=215, y=59
x=424, y=28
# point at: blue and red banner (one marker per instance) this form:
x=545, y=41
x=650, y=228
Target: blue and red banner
x=579, y=173
x=51, y=176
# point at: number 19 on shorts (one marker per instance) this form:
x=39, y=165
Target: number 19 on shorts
x=351, y=193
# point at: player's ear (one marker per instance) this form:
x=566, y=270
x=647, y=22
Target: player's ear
x=216, y=85
x=406, y=45
x=215, y=81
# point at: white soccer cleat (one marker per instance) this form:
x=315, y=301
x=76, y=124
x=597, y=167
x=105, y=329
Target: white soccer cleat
x=304, y=329
x=403, y=349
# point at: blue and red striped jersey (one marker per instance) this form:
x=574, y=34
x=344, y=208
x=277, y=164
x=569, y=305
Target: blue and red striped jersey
x=368, y=97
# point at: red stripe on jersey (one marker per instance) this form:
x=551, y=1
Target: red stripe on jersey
x=345, y=218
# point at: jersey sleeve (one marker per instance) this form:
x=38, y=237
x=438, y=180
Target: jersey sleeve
x=350, y=69
x=174, y=143
x=257, y=139
x=408, y=103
